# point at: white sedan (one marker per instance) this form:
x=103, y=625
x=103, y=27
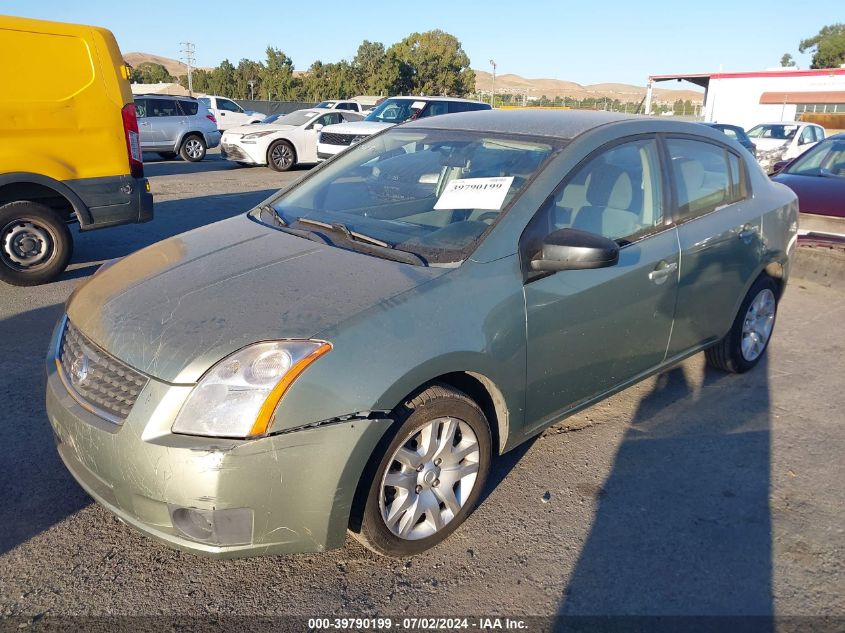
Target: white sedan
x=287, y=141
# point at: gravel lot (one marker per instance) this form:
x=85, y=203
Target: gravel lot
x=692, y=493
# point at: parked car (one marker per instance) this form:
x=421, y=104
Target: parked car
x=288, y=141
x=388, y=113
x=355, y=351
x=736, y=133
x=69, y=151
x=818, y=178
x=352, y=106
x=783, y=140
x=172, y=126
x=228, y=113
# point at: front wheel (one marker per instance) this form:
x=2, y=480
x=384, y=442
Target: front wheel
x=193, y=148
x=744, y=346
x=281, y=156
x=35, y=244
x=431, y=475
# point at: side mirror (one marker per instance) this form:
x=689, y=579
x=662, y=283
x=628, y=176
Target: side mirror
x=778, y=166
x=317, y=127
x=571, y=249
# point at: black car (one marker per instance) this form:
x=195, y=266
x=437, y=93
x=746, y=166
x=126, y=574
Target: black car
x=736, y=133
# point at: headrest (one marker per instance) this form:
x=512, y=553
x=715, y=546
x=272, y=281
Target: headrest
x=610, y=186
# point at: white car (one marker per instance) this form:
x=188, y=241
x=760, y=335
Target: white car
x=287, y=141
x=783, y=140
x=228, y=113
x=348, y=104
x=388, y=113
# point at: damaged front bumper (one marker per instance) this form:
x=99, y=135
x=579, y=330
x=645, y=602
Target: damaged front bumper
x=281, y=494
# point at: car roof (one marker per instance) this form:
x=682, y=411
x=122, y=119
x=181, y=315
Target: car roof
x=160, y=96
x=564, y=124
x=419, y=98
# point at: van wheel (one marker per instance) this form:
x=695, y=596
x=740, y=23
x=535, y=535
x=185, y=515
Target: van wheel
x=281, y=156
x=744, y=346
x=430, y=476
x=167, y=155
x=35, y=244
x=193, y=148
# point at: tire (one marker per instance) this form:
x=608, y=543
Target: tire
x=462, y=464
x=167, y=155
x=748, y=339
x=281, y=156
x=193, y=148
x=35, y=244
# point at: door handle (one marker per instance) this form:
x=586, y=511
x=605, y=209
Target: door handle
x=662, y=271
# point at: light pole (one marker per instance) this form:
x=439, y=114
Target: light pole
x=251, y=83
x=493, y=87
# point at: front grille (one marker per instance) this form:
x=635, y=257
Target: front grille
x=336, y=139
x=233, y=151
x=97, y=380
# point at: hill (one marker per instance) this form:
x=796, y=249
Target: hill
x=173, y=66
x=552, y=88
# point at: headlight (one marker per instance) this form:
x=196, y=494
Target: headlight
x=254, y=135
x=238, y=396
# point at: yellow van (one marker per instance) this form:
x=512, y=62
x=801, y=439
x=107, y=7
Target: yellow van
x=69, y=150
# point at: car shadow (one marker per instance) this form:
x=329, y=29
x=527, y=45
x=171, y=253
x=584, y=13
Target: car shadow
x=171, y=218
x=682, y=525
x=154, y=165
x=36, y=488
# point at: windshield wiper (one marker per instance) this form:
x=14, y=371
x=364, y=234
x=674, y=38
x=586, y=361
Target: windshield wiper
x=268, y=214
x=368, y=244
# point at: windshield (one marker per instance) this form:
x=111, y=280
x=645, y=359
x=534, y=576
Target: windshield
x=300, y=117
x=271, y=119
x=779, y=131
x=325, y=104
x=433, y=193
x=825, y=159
x=397, y=110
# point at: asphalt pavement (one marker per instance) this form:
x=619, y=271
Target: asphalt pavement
x=694, y=492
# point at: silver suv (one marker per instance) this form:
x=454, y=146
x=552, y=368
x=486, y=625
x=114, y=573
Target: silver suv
x=171, y=125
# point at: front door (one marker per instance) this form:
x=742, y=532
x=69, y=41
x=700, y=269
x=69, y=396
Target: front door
x=589, y=331
x=312, y=134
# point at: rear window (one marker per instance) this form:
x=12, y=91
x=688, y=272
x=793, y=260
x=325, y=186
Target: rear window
x=62, y=73
x=189, y=108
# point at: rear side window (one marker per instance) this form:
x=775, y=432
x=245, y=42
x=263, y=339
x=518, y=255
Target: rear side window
x=706, y=176
x=819, y=133
x=463, y=106
x=162, y=107
x=434, y=108
x=729, y=132
x=189, y=108
x=140, y=108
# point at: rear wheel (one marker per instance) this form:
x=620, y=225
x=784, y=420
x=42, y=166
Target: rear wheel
x=431, y=475
x=35, y=243
x=193, y=148
x=744, y=346
x=281, y=156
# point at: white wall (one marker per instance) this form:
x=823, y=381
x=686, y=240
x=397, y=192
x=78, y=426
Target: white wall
x=737, y=100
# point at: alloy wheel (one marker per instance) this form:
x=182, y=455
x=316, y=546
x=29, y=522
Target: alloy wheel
x=193, y=148
x=758, y=324
x=282, y=156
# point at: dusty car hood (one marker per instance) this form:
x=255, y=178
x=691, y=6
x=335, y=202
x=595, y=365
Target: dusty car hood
x=357, y=127
x=175, y=308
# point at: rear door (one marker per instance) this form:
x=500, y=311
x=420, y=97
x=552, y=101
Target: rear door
x=719, y=229
x=166, y=123
x=591, y=330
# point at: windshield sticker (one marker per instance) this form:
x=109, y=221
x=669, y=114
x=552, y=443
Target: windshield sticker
x=475, y=193
x=417, y=105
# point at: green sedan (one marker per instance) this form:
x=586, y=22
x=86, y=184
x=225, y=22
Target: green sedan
x=352, y=354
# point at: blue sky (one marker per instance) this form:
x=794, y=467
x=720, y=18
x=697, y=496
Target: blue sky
x=583, y=41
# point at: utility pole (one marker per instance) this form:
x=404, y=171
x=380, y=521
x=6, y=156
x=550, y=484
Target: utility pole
x=251, y=83
x=188, y=51
x=493, y=87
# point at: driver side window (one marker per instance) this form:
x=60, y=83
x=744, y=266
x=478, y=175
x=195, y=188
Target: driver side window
x=229, y=106
x=617, y=194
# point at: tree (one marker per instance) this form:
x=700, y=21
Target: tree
x=222, y=81
x=277, y=77
x=787, y=60
x=435, y=64
x=828, y=46
x=200, y=78
x=246, y=72
x=150, y=73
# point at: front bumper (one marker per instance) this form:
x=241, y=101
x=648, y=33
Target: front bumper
x=324, y=150
x=295, y=489
x=239, y=153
